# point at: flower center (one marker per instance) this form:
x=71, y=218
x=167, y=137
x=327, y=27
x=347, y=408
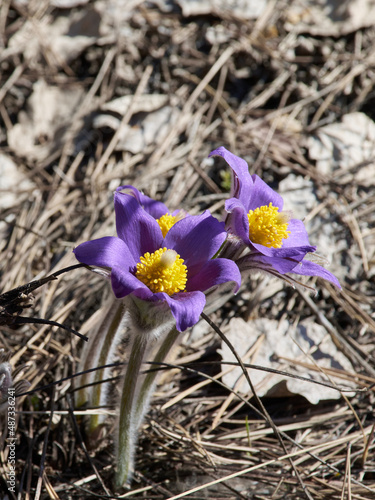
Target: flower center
x=268, y=226
x=167, y=221
x=162, y=271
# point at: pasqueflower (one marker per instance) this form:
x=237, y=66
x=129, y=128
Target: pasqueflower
x=277, y=243
x=157, y=209
x=174, y=269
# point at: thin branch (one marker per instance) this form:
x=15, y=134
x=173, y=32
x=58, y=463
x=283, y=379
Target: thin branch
x=258, y=400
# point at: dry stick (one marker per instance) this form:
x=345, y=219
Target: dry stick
x=341, y=84
x=333, y=87
x=257, y=399
x=325, y=373
x=264, y=96
x=14, y=297
x=349, y=472
x=27, y=471
x=337, y=338
x=347, y=475
x=356, y=233
x=81, y=442
x=5, y=5
x=218, y=94
x=351, y=307
x=85, y=106
x=71, y=377
x=265, y=145
x=367, y=447
x=155, y=158
x=98, y=80
x=309, y=451
x=181, y=367
x=21, y=320
x=38, y=489
x=242, y=472
x=202, y=85
x=298, y=377
x=264, y=20
x=211, y=91
x=332, y=372
x=111, y=146
x=11, y=80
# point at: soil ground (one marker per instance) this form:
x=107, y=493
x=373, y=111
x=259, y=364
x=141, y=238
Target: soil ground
x=189, y=81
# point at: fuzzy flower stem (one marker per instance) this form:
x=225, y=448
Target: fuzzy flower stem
x=128, y=424
x=149, y=380
x=112, y=337
x=104, y=339
x=148, y=324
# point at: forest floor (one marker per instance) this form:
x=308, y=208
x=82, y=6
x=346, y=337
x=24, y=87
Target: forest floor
x=98, y=94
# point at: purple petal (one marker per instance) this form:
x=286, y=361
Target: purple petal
x=152, y=207
x=298, y=235
x=241, y=179
x=236, y=221
x=186, y=308
x=285, y=264
x=215, y=272
x=262, y=195
x=125, y=283
x=196, y=239
x=308, y=268
x=104, y=252
x=296, y=253
x=296, y=246
x=138, y=229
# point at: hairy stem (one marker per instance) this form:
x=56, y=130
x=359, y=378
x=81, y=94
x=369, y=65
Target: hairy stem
x=106, y=334
x=111, y=340
x=149, y=380
x=128, y=424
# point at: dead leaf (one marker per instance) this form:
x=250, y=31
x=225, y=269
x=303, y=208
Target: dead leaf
x=144, y=131
x=14, y=188
x=68, y=4
x=325, y=231
x=61, y=4
x=147, y=104
x=59, y=40
x=44, y=126
x=281, y=340
x=329, y=17
x=243, y=9
x=348, y=146
x=14, y=185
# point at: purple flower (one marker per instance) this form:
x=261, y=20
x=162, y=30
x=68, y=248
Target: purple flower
x=157, y=209
x=277, y=243
x=175, y=269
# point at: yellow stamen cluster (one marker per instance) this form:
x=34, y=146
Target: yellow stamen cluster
x=162, y=271
x=268, y=226
x=167, y=221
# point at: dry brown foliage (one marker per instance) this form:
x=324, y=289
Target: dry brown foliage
x=256, y=87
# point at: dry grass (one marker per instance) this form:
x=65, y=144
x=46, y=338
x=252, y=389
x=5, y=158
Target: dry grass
x=258, y=92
